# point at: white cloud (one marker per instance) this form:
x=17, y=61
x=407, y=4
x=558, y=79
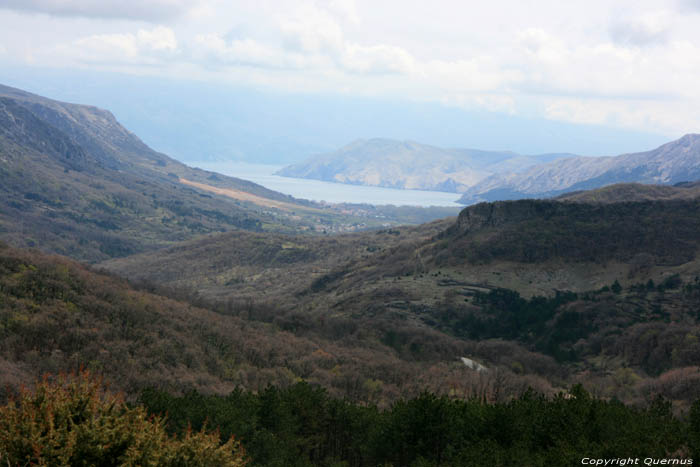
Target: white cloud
x=147, y=10
x=690, y=5
x=146, y=46
x=582, y=61
x=345, y=9
x=541, y=46
x=376, y=59
x=159, y=38
x=215, y=50
x=650, y=28
x=311, y=38
x=672, y=117
x=469, y=75
x=313, y=31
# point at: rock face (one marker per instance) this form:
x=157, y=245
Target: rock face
x=497, y=214
x=410, y=165
x=672, y=163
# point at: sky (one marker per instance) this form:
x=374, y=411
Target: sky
x=631, y=66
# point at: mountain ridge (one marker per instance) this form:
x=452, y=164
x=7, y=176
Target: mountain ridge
x=76, y=182
x=671, y=163
x=409, y=165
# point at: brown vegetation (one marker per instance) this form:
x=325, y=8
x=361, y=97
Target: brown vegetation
x=72, y=420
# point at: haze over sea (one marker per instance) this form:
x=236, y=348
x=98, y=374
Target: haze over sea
x=326, y=191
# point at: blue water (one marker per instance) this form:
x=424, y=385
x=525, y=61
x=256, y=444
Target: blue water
x=327, y=191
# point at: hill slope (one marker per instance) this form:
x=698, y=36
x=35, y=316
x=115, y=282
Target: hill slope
x=409, y=165
x=556, y=279
x=622, y=192
x=57, y=315
x=75, y=182
x=674, y=162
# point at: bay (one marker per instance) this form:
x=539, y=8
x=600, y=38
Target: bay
x=327, y=191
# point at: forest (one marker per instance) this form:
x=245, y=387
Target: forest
x=368, y=389
x=73, y=420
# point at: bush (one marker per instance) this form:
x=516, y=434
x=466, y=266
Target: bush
x=73, y=421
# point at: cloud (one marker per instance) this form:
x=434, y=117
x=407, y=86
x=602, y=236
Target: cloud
x=145, y=10
x=542, y=46
x=379, y=59
x=313, y=31
x=468, y=76
x=214, y=50
x=672, y=117
x=146, y=47
x=690, y=5
x=635, y=69
x=312, y=39
x=345, y=9
x=641, y=31
x=316, y=32
x=551, y=66
x=307, y=52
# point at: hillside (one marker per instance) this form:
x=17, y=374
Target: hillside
x=530, y=246
x=258, y=266
x=75, y=182
x=532, y=287
x=622, y=192
x=57, y=315
x=671, y=163
x=409, y=165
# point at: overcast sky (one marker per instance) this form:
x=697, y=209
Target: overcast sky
x=625, y=64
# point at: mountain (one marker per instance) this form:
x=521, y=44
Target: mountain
x=74, y=181
x=409, y=165
x=671, y=163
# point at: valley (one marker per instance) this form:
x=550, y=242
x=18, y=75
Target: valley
x=179, y=284
x=478, y=279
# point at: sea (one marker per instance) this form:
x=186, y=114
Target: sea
x=329, y=192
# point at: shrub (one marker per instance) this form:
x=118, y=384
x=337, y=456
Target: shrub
x=72, y=420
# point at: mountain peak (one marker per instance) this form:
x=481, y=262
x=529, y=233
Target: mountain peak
x=688, y=144
x=688, y=139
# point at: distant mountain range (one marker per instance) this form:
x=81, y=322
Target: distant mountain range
x=410, y=165
x=497, y=175
x=671, y=163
